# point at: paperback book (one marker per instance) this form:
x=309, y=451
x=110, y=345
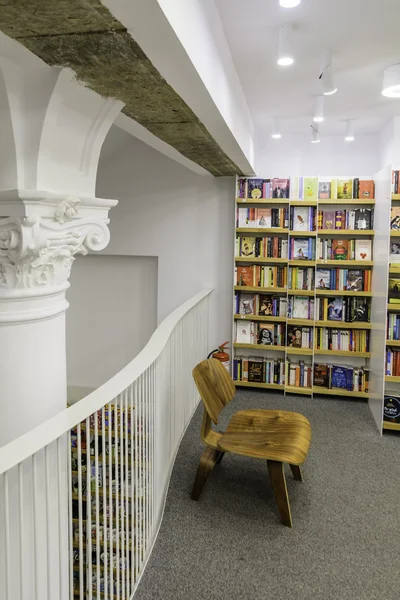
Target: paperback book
x=335, y=309
x=301, y=249
x=248, y=246
x=266, y=334
x=340, y=249
x=394, y=291
x=363, y=250
x=323, y=278
x=328, y=219
x=324, y=190
x=255, y=188
x=246, y=304
x=263, y=217
x=310, y=188
x=300, y=218
x=395, y=218
x=363, y=218
x=243, y=332
x=366, y=189
x=394, y=252
x=354, y=280
x=344, y=189
x=281, y=188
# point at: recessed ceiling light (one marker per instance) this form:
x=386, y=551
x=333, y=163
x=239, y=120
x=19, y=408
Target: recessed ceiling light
x=319, y=109
x=289, y=3
x=315, y=134
x=276, y=131
x=349, y=137
x=285, y=54
x=326, y=76
x=391, y=82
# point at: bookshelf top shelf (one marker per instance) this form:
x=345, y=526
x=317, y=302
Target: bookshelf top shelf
x=262, y=230
x=345, y=263
x=262, y=201
x=348, y=201
x=394, y=233
x=342, y=232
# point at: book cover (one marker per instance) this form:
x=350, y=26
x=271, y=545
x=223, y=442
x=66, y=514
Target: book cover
x=246, y=304
x=243, y=216
x=366, y=188
x=395, y=218
x=394, y=252
x=324, y=190
x=363, y=250
x=354, y=280
x=344, y=189
x=255, y=188
x=266, y=334
x=328, y=219
x=310, y=188
x=394, y=291
x=294, y=334
x=255, y=371
x=247, y=246
x=263, y=217
x=280, y=188
x=300, y=308
x=335, y=309
x=243, y=332
x=362, y=218
x=245, y=276
x=391, y=409
x=266, y=308
x=301, y=249
x=323, y=278
x=339, y=377
x=340, y=249
x=361, y=310
x=300, y=218
x=321, y=375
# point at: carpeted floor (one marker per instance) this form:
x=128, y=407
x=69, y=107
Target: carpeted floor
x=345, y=541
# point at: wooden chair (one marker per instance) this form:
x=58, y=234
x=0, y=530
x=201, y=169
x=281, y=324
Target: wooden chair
x=275, y=435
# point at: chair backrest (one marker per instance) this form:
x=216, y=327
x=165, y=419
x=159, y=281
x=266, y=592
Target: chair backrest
x=215, y=386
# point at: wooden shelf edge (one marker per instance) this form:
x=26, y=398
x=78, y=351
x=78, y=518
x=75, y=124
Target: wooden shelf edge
x=392, y=426
x=392, y=378
x=355, y=232
x=343, y=325
x=261, y=230
x=238, y=317
x=345, y=263
x=338, y=392
x=259, y=290
x=262, y=201
x=342, y=353
x=260, y=347
x=292, y=389
x=342, y=293
x=393, y=307
x=302, y=233
x=258, y=259
x=264, y=386
x=347, y=201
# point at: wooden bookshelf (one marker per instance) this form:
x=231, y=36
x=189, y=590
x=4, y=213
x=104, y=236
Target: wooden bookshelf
x=263, y=386
x=395, y=196
x=302, y=234
x=358, y=201
x=342, y=293
x=303, y=203
x=392, y=342
x=261, y=261
x=292, y=389
x=393, y=307
x=301, y=293
x=343, y=325
x=392, y=378
x=259, y=290
x=345, y=232
x=394, y=270
x=339, y=392
x=267, y=201
x=267, y=319
x=299, y=351
x=342, y=353
x=302, y=263
x=261, y=230
x=394, y=233
x=345, y=263
x=392, y=426
x=305, y=322
x=260, y=347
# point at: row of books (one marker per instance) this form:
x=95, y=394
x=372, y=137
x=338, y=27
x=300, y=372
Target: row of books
x=394, y=291
x=260, y=304
x=261, y=247
x=314, y=188
x=349, y=340
x=353, y=249
x=302, y=248
x=356, y=280
x=358, y=219
x=298, y=374
x=301, y=278
x=300, y=336
x=255, y=187
x=393, y=327
x=259, y=370
x=262, y=217
x=300, y=307
x=395, y=218
x=348, y=309
x=352, y=379
x=264, y=334
x=302, y=218
x=395, y=182
x=393, y=362
x=261, y=276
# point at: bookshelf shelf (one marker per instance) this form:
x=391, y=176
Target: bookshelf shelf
x=392, y=342
x=350, y=232
x=260, y=290
x=393, y=307
x=394, y=270
x=260, y=318
x=303, y=203
x=263, y=386
x=394, y=233
x=260, y=347
x=267, y=201
x=339, y=392
x=306, y=322
x=262, y=230
x=357, y=201
x=392, y=379
x=343, y=325
x=392, y=426
x=342, y=293
x=299, y=351
x=342, y=353
x=302, y=263
x=301, y=293
x=303, y=234
x=395, y=196
x=345, y=263
x=292, y=389
x=261, y=261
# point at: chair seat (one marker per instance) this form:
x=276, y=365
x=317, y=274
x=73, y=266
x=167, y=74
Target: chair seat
x=270, y=434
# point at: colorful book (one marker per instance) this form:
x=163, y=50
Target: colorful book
x=255, y=371
x=300, y=218
x=247, y=246
x=339, y=377
x=255, y=188
x=354, y=280
x=344, y=189
x=335, y=309
x=323, y=279
x=394, y=291
x=363, y=250
x=321, y=375
x=310, y=188
x=363, y=218
x=340, y=249
x=266, y=334
x=243, y=332
x=266, y=305
x=301, y=307
x=394, y=252
x=246, y=304
x=366, y=189
x=294, y=336
x=328, y=219
x=301, y=249
x=395, y=218
x=263, y=217
x=324, y=190
x=245, y=276
x=281, y=188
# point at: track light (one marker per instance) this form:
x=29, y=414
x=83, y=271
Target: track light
x=349, y=131
x=285, y=54
x=276, y=132
x=319, y=109
x=315, y=134
x=289, y=3
x=391, y=82
x=326, y=76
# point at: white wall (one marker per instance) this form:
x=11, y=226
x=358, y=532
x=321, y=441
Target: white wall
x=112, y=314
x=169, y=212
x=295, y=155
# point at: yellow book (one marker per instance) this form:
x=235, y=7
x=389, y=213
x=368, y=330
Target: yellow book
x=344, y=189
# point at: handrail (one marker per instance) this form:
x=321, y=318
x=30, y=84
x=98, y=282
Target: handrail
x=28, y=444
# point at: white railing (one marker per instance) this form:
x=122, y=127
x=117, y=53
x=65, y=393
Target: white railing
x=82, y=496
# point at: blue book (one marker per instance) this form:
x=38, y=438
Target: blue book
x=339, y=377
x=350, y=374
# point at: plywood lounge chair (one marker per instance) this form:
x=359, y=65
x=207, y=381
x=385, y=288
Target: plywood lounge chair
x=275, y=435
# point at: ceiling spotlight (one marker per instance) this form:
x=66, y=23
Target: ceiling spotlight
x=289, y=3
x=285, y=54
x=315, y=134
x=319, y=110
x=326, y=76
x=349, y=131
x=276, y=133
x=391, y=82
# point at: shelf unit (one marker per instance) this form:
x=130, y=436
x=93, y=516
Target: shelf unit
x=297, y=354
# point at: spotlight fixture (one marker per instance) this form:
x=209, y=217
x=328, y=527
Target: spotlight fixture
x=326, y=76
x=391, y=82
x=289, y=3
x=315, y=134
x=349, y=137
x=276, y=133
x=319, y=109
x=285, y=54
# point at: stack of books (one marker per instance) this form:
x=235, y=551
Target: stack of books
x=349, y=340
x=356, y=280
x=298, y=374
x=352, y=379
x=261, y=247
x=256, y=188
x=259, y=370
x=260, y=304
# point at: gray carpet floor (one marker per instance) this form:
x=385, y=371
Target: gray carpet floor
x=344, y=544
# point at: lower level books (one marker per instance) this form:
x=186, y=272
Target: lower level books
x=298, y=374
x=349, y=340
x=393, y=327
x=392, y=362
x=352, y=379
x=259, y=370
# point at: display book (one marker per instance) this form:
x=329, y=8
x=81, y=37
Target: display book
x=319, y=188
x=357, y=219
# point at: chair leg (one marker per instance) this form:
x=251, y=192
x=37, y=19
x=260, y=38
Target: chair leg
x=297, y=475
x=220, y=457
x=208, y=461
x=278, y=481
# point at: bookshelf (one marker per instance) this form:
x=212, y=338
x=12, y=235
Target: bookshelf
x=304, y=233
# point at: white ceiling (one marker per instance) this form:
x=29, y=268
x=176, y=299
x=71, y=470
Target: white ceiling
x=363, y=35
